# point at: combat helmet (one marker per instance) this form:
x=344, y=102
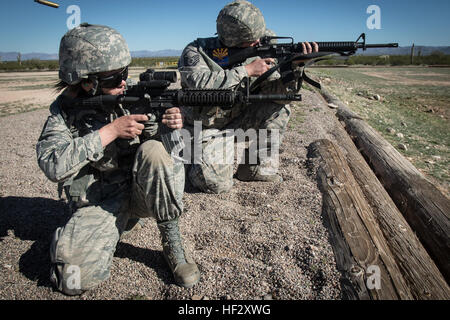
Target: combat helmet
x=238, y=22
x=89, y=49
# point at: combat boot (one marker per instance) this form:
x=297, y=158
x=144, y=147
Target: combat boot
x=248, y=172
x=184, y=269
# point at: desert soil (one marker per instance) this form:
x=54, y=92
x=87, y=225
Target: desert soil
x=410, y=81
x=259, y=241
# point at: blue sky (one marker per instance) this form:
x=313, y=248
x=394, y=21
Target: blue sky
x=27, y=26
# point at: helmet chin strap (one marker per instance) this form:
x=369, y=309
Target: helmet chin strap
x=95, y=87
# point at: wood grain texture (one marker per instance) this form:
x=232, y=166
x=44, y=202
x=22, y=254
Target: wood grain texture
x=425, y=209
x=357, y=240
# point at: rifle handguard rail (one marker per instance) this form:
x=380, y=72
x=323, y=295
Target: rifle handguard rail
x=187, y=97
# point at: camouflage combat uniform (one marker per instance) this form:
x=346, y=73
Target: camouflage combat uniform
x=105, y=186
x=200, y=67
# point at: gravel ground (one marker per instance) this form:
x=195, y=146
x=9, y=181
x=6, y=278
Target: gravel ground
x=259, y=241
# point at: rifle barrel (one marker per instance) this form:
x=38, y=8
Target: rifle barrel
x=382, y=45
x=271, y=97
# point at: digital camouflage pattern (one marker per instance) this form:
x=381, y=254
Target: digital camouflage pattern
x=90, y=49
x=103, y=195
x=213, y=171
x=199, y=69
x=238, y=22
x=106, y=186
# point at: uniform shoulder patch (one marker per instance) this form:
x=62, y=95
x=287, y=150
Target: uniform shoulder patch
x=220, y=56
x=191, y=61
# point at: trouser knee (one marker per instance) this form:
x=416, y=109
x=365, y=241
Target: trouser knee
x=81, y=252
x=152, y=152
x=158, y=183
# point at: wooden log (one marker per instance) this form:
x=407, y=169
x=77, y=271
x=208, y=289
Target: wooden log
x=357, y=241
x=423, y=206
x=418, y=269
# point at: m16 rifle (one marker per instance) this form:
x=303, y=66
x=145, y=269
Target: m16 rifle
x=267, y=48
x=290, y=52
x=151, y=95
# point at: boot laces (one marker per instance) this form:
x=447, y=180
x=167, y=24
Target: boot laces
x=172, y=239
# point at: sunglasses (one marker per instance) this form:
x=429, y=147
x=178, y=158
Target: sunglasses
x=114, y=80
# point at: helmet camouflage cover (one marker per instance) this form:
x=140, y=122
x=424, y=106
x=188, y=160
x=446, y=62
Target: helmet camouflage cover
x=238, y=22
x=89, y=49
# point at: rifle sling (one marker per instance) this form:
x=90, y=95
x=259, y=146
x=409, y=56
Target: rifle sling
x=311, y=81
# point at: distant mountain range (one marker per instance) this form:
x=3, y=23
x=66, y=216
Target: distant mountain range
x=160, y=53
x=425, y=50
x=12, y=56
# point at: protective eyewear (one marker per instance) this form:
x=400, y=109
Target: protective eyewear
x=113, y=80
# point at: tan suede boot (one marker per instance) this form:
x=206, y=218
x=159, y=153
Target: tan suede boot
x=184, y=269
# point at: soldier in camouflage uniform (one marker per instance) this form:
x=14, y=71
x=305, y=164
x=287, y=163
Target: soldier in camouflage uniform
x=203, y=64
x=112, y=167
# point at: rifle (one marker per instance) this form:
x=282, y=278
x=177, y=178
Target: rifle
x=286, y=53
x=151, y=95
